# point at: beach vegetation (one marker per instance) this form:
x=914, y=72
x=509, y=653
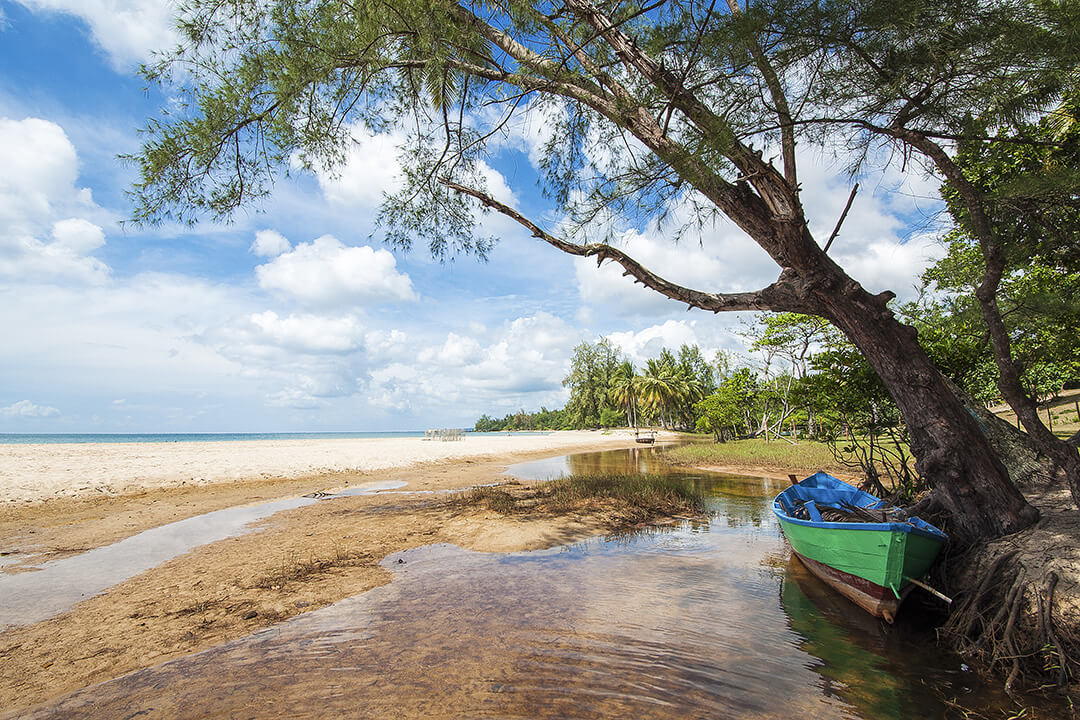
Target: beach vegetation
x=779, y=457
x=630, y=498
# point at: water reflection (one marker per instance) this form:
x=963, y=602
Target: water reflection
x=54, y=587
x=696, y=620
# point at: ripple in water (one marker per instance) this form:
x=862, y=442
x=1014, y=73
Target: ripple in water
x=708, y=619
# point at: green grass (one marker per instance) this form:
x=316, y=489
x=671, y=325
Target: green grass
x=633, y=498
x=777, y=455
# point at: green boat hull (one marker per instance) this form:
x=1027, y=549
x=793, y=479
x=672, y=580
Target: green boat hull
x=870, y=567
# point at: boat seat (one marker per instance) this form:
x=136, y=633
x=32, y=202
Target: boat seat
x=811, y=507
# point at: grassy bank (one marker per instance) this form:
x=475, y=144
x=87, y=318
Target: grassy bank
x=778, y=455
x=620, y=498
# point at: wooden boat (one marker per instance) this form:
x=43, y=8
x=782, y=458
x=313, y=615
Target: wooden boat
x=647, y=438
x=862, y=547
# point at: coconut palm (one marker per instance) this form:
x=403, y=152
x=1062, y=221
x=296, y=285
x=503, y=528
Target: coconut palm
x=623, y=390
x=658, y=387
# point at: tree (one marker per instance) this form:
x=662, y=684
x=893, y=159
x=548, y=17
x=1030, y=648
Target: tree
x=624, y=391
x=1017, y=246
x=654, y=106
x=659, y=388
x=730, y=407
x=592, y=370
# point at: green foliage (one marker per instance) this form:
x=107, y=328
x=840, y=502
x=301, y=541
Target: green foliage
x=783, y=457
x=1033, y=207
x=544, y=419
x=607, y=391
x=592, y=370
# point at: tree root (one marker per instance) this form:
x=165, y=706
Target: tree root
x=1007, y=623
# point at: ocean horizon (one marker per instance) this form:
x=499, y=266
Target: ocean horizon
x=102, y=438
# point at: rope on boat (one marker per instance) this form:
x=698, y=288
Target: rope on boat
x=930, y=590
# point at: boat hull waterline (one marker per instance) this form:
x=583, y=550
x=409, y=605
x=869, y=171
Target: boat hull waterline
x=870, y=563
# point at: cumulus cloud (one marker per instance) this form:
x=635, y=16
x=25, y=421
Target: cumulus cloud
x=709, y=335
x=27, y=409
x=884, y=264
x=270, y=243
x=370, y=169
x=327, y=273
x=128, y=30
x=519, y=364
x=43, y=227
x=310, y=333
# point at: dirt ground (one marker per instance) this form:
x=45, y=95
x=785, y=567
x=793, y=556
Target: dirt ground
x=296, y=561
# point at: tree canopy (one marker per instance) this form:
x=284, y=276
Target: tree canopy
x=651, y=106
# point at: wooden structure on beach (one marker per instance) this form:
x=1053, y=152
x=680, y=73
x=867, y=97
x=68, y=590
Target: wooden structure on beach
x=445, y=434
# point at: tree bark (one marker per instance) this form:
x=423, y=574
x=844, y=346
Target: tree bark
x=952, y=453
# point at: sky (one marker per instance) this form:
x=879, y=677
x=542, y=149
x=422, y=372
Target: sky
x=295, y=316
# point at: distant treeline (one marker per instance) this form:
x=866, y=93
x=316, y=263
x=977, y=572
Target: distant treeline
x=544, y=419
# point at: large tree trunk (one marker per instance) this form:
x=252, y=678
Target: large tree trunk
x=1028, y=467
x=953, y=454
x=1064, y=455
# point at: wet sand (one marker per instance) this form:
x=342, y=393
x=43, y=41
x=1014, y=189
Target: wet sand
x=295, y=561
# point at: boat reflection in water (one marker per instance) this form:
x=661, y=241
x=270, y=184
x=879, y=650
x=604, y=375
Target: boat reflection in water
x=693, y=620
x=884, y=671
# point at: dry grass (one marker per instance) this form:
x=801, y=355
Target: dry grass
x=628, y=498
x=1064, y=413
x=294, y=568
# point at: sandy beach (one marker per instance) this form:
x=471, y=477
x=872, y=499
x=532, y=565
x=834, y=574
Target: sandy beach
x=62, y=501
x=30, y=473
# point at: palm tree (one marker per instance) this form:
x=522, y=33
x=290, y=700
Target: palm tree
x=658, y=387
x=624, y=390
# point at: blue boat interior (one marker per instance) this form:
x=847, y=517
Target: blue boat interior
x=822, y=490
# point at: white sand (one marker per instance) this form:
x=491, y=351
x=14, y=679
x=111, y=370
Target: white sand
x=38, y=472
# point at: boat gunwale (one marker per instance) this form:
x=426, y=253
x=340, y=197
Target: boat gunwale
x=905, y=527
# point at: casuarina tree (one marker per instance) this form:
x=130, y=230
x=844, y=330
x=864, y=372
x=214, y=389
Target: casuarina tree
x=672, y=103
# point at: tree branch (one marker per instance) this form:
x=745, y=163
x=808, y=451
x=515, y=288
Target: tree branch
x=780, y=103
x=778, y=297
x=836, y=230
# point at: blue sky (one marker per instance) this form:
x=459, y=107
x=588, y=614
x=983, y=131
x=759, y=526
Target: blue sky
x=295, y=317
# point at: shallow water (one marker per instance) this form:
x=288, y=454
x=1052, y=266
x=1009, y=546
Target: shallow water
x=54, y=587
x=704, y=619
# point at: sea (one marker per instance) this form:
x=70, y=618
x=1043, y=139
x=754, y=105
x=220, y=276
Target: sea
x=55, y=438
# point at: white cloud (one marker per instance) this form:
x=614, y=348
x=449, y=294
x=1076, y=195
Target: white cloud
x=370, y=169
x=128, y=30
x=27, y=409
x=721, y=259
x=77, y=235
x=710, y=335
x=310, y=333
x=270, y=243
x=874, y=244
x=43, y=227
x=520, y=364
x=892, y=265
x=325, y=272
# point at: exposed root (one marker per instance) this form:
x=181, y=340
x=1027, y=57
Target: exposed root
x=1007, y=624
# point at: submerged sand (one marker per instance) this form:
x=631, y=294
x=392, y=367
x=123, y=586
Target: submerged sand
x=293, y=562
x=35, y=472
